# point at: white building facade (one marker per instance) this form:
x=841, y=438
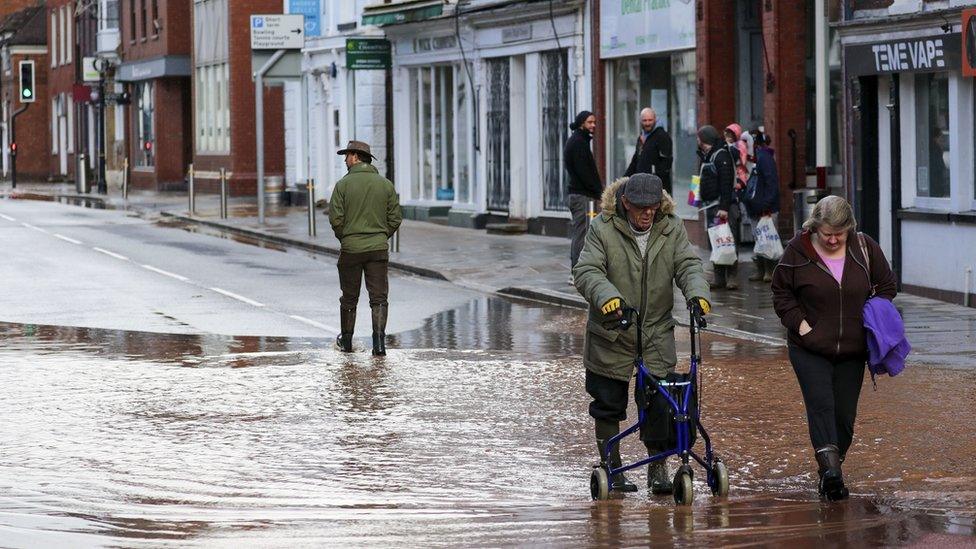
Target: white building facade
x=483, y=94
x=912, y=117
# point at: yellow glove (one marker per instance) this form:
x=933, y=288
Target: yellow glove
x=611, y=305
x=701, y=304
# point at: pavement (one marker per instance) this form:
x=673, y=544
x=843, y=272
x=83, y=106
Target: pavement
x=522, y=266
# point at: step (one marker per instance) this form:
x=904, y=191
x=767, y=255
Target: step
x=507, y=228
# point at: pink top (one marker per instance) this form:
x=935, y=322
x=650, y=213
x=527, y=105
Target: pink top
x=836, y=266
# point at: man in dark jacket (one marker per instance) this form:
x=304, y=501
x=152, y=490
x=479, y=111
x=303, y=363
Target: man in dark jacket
x=717, y=193
x=654, y=150
x=585, y=187
x=364, y=212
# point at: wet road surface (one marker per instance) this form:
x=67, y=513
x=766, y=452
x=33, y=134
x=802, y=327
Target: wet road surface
x=146, y=439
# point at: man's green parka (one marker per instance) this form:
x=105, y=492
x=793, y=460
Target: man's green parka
x=611, y=266
x=364, y=210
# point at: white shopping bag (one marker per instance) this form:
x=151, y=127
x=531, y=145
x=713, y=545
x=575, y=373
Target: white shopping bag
x=768, y=244
x=723, y=245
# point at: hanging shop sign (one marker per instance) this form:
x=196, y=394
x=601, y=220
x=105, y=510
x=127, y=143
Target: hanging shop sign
x=367, y=54
x=969, y=42
x=936, y=53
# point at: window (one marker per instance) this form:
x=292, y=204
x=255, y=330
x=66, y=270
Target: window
x=932, y=135
x=145, y=129
x=143, y=14
x=439, y=124
x=69, y=121
x=132, y=20
x=109, y=17
x=155, y=17
x=70, y=22
x=499, y=142
x=63, y=24
x=555, y=115
x=55, y=118
x=54, y=39
x=211, y=73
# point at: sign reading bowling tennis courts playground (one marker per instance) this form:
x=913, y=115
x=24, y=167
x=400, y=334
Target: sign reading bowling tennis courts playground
x=277, y=32
x=367, y=54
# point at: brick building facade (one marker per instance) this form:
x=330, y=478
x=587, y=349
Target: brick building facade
x=223, y=99
x=156, y=47
x=61, y=98
x=23, y=35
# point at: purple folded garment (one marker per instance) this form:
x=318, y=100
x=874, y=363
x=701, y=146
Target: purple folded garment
x=887, y=345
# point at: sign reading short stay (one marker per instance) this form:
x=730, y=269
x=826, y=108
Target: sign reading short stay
x=367, y=54
x=277, y=32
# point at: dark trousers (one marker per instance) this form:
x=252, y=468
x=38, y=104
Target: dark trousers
x=579, y=207
x=830, y=393
x=610, y=401
x=352, y=267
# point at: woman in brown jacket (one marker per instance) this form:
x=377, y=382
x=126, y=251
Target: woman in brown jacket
x=819, y=290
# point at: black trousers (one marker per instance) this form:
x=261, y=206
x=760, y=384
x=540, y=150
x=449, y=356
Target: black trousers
x=830, y=393
x=610, y=401
x=375, y=267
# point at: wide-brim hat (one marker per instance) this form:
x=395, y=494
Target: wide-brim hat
x=356, y=146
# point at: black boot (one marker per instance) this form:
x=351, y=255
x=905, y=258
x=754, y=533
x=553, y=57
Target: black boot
x=604, y=431
x=379, y=330
x=347, y=325
x=718, y=282
x=731, y=276
x=658, y=479
x=770, y=266
x=760, y=273
x=831, y=478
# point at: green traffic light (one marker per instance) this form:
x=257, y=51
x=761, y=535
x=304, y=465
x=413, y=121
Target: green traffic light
x=28, y=93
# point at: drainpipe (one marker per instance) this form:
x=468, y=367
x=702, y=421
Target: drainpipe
x=822, y=100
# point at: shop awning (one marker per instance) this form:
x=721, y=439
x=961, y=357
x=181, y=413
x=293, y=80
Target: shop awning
x=405, y=11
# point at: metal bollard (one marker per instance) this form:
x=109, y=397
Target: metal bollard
x=223, y=193
x=192, y=206
x=395, y=241
x=310, y=192
x=125, y=178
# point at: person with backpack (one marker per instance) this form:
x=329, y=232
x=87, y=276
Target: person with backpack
x=717, y=180
x=739, y=152
x=761, y=198
x=827, y=274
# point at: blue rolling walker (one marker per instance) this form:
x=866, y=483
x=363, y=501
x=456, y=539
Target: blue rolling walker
x=680, y=395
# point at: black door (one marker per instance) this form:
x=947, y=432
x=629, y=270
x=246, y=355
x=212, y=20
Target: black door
x=865, y=90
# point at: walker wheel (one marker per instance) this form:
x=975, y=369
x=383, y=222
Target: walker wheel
x=684, y=492
x=599, y=484
x=720, y=479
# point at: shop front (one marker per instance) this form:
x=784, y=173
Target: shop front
x=648, y=49
x=912, y=163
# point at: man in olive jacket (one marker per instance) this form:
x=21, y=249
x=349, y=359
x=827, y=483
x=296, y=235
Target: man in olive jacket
x=634, y=250
x=364, y=212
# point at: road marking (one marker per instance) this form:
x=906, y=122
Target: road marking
x=66, y=239
x=232, y=295
x=112, y=254
x=310, y=322
x=165, y=273
x=749, y=316
x=38, y=229
x=7, y=217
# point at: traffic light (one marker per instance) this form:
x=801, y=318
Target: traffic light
x=27, y=91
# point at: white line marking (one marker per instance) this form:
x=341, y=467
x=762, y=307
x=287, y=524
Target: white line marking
x=66, y=239
x=310, y=322
x=7, y=217
x=165, y=273
x=112, y=254
x=232, y=295
x=748, y=316
x=38, y=229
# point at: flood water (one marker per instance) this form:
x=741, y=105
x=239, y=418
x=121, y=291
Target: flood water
x=473, y=431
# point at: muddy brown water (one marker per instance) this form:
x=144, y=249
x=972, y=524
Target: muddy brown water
x=473, y=432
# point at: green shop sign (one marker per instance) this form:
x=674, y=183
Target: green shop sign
x=363, y=54
x=628, y=7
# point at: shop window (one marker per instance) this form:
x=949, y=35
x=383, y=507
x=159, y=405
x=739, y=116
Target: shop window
x=932, y=135
x=555, y=103
x=145, y=128
x=211, y=77
x=439, y=125
x=499, y=142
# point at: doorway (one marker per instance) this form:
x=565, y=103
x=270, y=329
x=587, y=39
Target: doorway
x=749, y=64
x=864, y=92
